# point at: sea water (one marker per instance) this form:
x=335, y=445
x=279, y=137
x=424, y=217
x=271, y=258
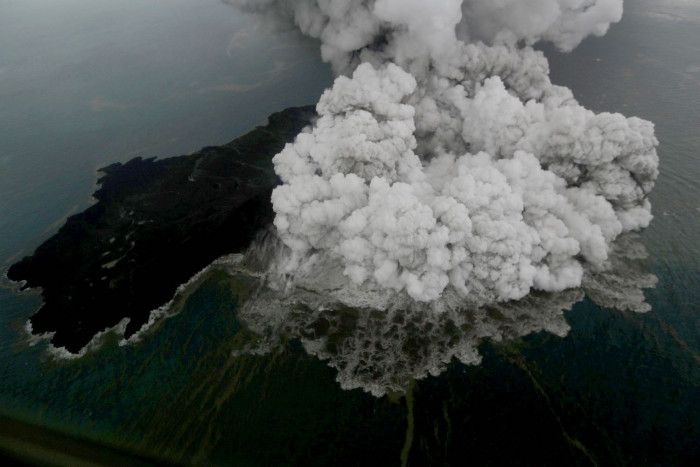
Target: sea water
x=85, y=83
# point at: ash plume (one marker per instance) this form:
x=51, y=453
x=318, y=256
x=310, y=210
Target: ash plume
x=445, y=169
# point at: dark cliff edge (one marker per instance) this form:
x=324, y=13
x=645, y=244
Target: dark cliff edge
x=156, y=223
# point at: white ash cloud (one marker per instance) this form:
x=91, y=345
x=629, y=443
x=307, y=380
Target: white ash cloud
x=563, y=22
x=444, y=162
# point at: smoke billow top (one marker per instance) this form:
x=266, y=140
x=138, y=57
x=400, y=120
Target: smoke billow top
x=445, y=169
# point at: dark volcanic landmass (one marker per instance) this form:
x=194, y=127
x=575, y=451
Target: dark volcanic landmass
x=156, y=223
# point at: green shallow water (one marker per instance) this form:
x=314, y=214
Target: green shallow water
x=620, y=388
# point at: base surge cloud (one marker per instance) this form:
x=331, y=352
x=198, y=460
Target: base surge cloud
x=383, y=351
x=445, y=169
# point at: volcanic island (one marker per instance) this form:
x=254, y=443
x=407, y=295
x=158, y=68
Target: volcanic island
x=155, y=224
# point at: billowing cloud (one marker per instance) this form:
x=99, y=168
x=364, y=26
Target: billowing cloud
x=444, y=166
x=563, y=22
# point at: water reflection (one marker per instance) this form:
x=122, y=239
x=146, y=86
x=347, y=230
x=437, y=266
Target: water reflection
x=383, y=351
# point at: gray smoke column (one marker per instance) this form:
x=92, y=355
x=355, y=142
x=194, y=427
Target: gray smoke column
x=444, y=165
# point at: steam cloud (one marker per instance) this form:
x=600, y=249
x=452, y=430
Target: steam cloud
x=445, y=167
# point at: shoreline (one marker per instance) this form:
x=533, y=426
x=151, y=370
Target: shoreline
x=153, y=226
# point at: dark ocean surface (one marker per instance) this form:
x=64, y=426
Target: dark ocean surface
x=85, y=83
